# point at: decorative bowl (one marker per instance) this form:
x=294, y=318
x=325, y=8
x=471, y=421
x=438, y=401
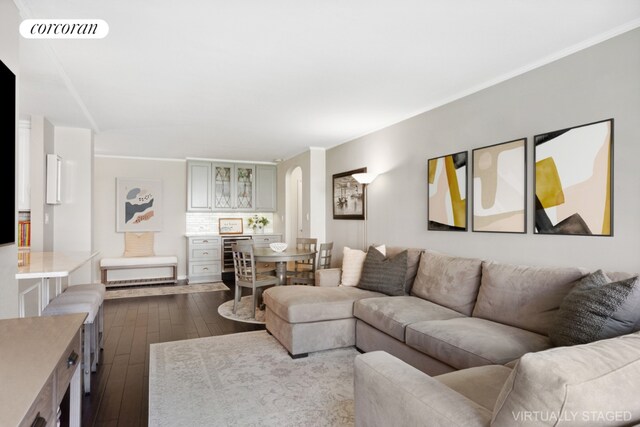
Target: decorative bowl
x=278, y=246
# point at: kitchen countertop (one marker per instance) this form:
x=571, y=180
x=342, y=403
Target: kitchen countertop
x=210, y=234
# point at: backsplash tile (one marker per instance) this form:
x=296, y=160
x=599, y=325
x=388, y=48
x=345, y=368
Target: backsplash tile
x=207, y=222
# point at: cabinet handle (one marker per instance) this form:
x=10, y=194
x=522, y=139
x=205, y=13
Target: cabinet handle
x=205, y=253
x=205, y=241
x=206, y=269
x=72, y=359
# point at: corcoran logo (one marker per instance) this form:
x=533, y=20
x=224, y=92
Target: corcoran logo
x=64, y=29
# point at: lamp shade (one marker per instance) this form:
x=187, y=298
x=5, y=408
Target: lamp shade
x=364, y=178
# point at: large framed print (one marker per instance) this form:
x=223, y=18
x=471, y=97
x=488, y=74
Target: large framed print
x=348, y=196
x=500, y=188
x=447, y=208
x=574, y=180
x=138, y=205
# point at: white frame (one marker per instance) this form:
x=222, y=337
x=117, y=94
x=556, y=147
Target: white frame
x=154, y=187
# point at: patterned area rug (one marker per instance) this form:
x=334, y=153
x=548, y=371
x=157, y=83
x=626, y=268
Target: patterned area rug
x=243, y=311
x=248, y=379
x=148, y=291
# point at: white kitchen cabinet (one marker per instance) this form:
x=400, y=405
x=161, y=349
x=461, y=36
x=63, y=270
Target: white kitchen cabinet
x=266, y=179
x=199, y=184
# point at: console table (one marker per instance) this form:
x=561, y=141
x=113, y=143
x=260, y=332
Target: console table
x=46, y=266
x=39, y=359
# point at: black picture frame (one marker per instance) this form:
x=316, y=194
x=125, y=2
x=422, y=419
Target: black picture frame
x=474, y=152
x=348, y=196
x=585, y=138
x=459, y=160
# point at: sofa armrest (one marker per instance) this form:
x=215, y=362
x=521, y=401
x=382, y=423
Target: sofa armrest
x=389, y=392
x=328, y=277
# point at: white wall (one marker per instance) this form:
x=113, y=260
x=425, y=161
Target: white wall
x=72, y=228
x=312, y=165
x=597, y=83
x=9, y=21
x=173, y=173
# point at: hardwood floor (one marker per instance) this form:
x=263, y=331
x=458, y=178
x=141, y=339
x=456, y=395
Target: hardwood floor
x=120, y=388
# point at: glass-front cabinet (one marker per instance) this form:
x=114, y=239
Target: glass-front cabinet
x=233, y=187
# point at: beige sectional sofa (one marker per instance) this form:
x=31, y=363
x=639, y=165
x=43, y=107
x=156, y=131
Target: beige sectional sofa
x=469, y=322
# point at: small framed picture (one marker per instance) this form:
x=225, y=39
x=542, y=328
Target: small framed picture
x=230, y=226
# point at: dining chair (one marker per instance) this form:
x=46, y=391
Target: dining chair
x=324, y=261
x=246, y=275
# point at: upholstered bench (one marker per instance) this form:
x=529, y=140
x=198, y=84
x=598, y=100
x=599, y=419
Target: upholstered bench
x=146, y=270
x=306, y=319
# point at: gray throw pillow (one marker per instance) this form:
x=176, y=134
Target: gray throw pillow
x=596, y=309
x=385, y=275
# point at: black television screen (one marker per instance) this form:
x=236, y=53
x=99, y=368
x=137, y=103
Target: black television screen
x=8, y=222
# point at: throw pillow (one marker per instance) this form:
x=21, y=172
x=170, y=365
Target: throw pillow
x=352, y=262
x=596, y=309
x=448, y=280
x=385, y=275
x=138, y=244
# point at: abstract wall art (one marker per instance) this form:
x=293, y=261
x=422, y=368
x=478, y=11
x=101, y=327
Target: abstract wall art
x=499, y=187
x=448, y=192
x=138, y=205
x=573, y=180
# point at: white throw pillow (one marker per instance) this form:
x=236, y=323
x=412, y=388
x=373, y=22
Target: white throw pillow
x=352, y=262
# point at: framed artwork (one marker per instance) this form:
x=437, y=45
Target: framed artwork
x=348, y=196
x=574, y=180
x=500, y=188
x=138, y=205
x=230, y=226
x=448, y=192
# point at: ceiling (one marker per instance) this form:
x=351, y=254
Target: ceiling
x=265, y=79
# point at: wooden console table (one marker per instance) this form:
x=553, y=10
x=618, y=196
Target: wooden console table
x=40, y=358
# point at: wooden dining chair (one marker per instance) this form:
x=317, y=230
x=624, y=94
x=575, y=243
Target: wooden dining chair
x=308, y=276
x=246, y=275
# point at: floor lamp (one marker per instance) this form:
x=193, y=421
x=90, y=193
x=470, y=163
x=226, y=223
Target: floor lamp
x=365, y=179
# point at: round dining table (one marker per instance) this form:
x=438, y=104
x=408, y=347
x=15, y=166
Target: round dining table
x=281, y=259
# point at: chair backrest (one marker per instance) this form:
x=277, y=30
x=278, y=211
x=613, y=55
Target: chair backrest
x=243, y=263
x=306, y=244
x=324, y=256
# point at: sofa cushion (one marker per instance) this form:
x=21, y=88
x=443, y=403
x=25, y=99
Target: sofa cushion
x=467, y=342
x=413, y=260
x=448, y=280
x=481, y=384
x=300, y=304
x=596, y=382
x=385, y=275
x=596, y=309
x=392, y=315
x=522, y=296
x=352, y=262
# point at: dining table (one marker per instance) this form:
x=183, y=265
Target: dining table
x=281, y=258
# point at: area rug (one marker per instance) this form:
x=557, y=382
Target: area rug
x=248, y=379
x=243, y=311
x=165, y=290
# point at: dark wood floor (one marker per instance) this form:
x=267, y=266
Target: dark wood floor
x=120, y=388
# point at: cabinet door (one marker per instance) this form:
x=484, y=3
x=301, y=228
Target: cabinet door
x=223, y=180
x=198, y=186
x=266, y=188
x=244, y=187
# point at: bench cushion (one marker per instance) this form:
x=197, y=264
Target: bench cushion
x=138, y=261
x=301, y=304
x=391, y=315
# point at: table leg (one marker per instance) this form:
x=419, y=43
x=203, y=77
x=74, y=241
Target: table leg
x=44, y=294
x=281, y=272
x=75, y=399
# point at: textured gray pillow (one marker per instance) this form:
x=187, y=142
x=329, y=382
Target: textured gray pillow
x=385, y=275
x=596, y=309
